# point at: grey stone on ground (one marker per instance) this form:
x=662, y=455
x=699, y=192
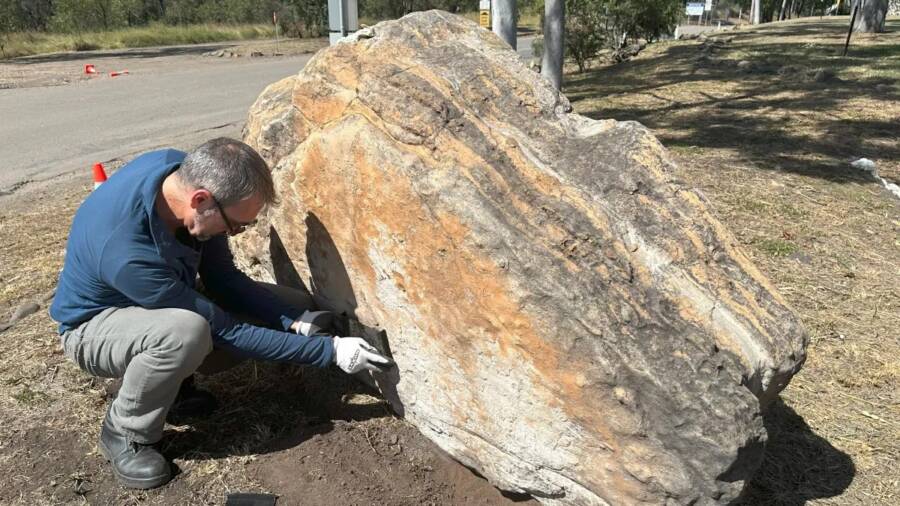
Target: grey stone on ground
x=822, y=75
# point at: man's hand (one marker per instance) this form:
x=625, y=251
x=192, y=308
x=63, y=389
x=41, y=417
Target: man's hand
x=354, y=354
x=311, y=323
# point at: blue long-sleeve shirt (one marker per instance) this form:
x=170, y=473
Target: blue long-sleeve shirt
x=120, y=254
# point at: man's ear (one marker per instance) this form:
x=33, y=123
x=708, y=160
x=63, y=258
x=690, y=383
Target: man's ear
x=198, y=198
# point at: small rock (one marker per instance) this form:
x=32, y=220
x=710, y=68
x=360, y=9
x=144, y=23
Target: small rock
x=365, y=32
x=626, y=314
x=864, y=164
x=256, y=54
x=744, y=65
x=24, y=310
x=822, y=75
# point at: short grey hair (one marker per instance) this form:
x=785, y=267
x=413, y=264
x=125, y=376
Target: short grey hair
x=229, y=169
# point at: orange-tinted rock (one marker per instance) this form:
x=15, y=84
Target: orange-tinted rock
x=566, y=319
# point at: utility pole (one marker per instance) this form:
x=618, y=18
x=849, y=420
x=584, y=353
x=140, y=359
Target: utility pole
x=503, y=20
x=343, y=19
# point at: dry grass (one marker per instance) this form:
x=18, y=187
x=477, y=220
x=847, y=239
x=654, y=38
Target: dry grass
x=29, y=43
x=769, y=145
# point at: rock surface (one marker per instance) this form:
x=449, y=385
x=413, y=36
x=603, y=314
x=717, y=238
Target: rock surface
x=566, y=319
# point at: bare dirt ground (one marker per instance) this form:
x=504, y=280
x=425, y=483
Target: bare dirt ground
x=766, y=142
x=58, y=69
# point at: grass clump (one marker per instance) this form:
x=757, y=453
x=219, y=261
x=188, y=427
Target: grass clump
x=777, y=247
x=31, y=43
x=32, y=398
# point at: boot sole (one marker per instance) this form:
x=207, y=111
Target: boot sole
x=138, y=483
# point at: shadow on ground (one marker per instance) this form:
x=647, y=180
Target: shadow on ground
x=762, y=96
x=799, y=465
x=264, y=402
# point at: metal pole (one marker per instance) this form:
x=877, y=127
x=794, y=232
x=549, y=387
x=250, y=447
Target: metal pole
x=850, y=31
x=275, y=21
x=343, y=19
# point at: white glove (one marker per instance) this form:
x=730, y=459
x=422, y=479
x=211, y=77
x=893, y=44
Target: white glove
x=354, y=354
x=311, y=323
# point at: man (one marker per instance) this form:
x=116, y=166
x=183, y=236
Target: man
x=128, y=306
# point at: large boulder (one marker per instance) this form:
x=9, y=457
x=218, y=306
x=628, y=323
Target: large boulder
x=567, y=319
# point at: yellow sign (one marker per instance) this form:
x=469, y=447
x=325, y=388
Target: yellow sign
x=485, y=19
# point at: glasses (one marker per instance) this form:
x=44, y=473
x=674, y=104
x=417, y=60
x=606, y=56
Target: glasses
x=232, y=230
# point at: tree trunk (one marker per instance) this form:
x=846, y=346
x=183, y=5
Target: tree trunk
x=503, y=20
x=755, y=12
x=871, y=16
x=554, y=40
x=782, y=13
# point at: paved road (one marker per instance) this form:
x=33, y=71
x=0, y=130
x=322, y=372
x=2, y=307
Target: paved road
x=48, y=131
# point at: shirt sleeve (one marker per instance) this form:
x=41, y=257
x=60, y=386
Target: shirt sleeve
x=145, y=278
x=236, y=290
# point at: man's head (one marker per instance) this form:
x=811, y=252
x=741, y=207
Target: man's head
x=226, y=184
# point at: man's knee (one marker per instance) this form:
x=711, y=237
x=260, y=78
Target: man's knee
x=189, y=336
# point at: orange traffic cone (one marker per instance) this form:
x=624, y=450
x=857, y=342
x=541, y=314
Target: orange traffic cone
x=117, y=73
x=99, y=175
x=89, y=69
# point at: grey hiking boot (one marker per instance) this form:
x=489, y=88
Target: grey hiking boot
x=135, y=465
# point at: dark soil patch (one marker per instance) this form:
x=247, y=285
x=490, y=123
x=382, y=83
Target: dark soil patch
x=364, y=463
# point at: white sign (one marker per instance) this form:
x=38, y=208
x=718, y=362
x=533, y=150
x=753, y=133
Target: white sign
x=694, y=9
x=708, y=5
x=484, y=5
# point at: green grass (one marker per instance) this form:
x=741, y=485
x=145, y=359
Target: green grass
x=777, y=247
x=31, y=43
x=31, y=397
